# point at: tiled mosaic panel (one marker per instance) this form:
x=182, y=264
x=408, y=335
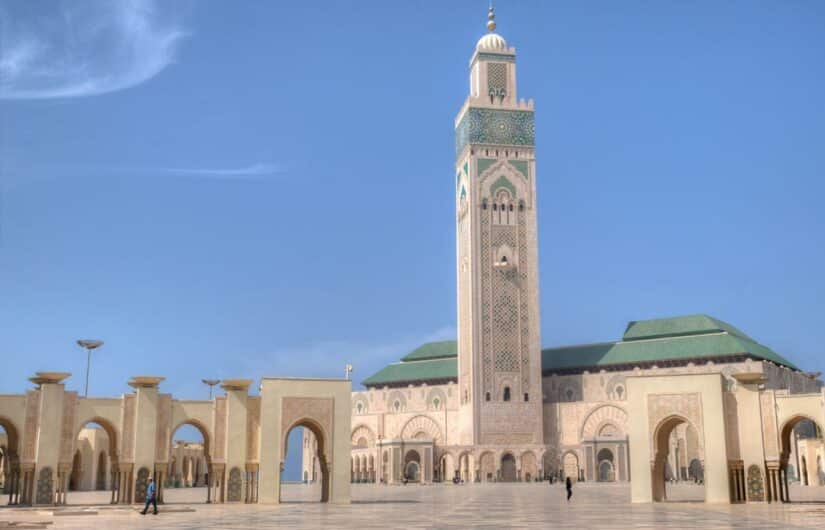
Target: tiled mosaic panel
x=495, y=127
x=235, y=485
x=45, y=486
x=141, y=484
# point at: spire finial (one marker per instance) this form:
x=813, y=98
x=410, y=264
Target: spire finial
x=491, y=18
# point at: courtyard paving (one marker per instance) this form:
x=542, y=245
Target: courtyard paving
x=484, y=506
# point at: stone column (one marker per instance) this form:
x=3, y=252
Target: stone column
x=145, y=431
x=160, y=479
x=50, y=424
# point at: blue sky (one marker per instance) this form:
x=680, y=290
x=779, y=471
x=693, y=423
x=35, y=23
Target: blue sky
x=243, y=189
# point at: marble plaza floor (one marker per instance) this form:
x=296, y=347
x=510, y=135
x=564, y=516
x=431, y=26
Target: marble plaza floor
x=493, y=506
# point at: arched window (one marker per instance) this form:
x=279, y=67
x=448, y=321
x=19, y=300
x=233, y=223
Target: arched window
x=396, y=406
x=484, y=204
x=360, y=407
x=506, y=393
x=436, y=403
x=526, y=396
x=487, y=396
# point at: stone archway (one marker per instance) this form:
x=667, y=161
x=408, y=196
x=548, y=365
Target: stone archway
x=186, y=467
x=447, y=470
x=809, y=471
x=605, y=466
x=570, y=465
x=487, y=467
x=508, y=468
x=466, y=467
x=320, y=454
x=529, y=466
x=118, y=480
x=412, y=466
x=662, y=446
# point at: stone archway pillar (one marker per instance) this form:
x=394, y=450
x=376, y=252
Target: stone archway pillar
x=698, y=398
x=146, y=428
x=325, y=405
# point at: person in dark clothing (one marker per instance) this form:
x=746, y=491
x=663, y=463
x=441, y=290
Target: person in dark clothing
x=151, y=497
x=569, y=485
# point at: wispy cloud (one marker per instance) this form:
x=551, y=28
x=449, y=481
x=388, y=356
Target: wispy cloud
x=253, y=171
x=16, y=175
x=72, y=49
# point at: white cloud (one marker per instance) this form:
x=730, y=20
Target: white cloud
x=255, y=170
x=72, y=49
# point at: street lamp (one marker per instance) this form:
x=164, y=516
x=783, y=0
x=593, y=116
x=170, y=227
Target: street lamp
x=211, y=383
x=88, y=345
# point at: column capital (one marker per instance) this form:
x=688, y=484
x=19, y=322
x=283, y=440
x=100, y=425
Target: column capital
x=145, y=381
x=236, y=384
x=48, y=378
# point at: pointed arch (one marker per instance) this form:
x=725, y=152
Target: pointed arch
x=601, y=415
x=420, y=424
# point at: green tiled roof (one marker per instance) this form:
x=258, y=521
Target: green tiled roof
x=433, y=350
x=678, y=326
x=678, y=339
x=415, y=372
x=663, y=339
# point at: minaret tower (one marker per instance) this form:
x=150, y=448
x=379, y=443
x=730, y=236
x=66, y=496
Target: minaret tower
x=499, y=354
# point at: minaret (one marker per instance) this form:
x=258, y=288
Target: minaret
x=499, y=354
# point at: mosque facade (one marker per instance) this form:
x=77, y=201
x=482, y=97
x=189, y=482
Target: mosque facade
x=494, y=406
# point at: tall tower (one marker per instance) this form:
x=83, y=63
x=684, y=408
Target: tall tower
x=499, y=354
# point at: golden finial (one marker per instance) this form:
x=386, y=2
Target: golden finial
x=491, y=18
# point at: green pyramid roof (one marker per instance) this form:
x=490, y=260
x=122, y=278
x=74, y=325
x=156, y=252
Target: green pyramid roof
x=662, y=341
x=433, y=350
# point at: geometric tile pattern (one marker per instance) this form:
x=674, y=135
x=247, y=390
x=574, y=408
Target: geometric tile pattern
x=496, y=127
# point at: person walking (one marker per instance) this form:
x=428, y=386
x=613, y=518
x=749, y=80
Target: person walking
x=151, y=497
x=567, y=484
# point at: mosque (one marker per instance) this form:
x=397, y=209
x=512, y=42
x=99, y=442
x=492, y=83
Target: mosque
x=495, y=406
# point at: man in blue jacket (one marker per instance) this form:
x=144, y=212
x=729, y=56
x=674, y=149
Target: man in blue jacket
x=151, y=497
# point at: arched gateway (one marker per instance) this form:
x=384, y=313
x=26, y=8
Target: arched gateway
x=244, y=438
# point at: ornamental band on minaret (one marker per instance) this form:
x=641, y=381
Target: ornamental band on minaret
x=499, y=350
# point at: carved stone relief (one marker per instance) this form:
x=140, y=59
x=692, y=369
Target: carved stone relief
x=234, y=486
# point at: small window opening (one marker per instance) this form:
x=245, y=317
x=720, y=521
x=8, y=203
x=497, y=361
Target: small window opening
x=487, y=396
x=506, y=393
x=526, y=396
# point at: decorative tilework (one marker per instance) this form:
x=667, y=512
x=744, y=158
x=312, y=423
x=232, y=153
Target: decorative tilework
x=45, y=487
x=506, y=57
x=141, y=484
x=235, y=486
x=756, y=487
x=497, y=79
x=493, y=126
x=521, y=166
x=484, y=164
x=502, y=182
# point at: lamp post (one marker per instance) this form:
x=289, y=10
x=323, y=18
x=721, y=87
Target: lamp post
x=211, y=383
x=88, y=345
x=348, y=369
